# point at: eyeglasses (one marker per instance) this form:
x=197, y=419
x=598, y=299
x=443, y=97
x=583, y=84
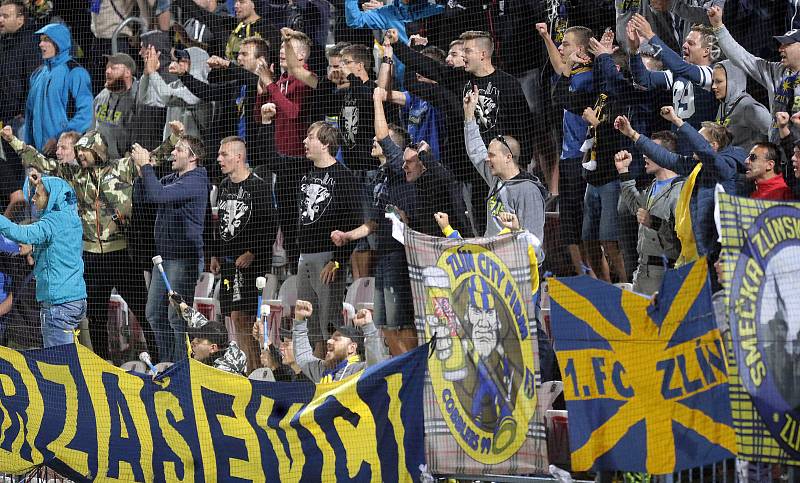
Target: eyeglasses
x=753, y=156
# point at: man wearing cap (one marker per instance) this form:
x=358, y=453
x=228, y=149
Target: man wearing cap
x=343, y=347
x=116, y=115
x=155, y=90
x=781, y=79
x=210, y=346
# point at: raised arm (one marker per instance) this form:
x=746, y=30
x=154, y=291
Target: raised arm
x=630, y=200
x=756, y=67
x=476, y=150
x=293, y=64
x=672, y=61
x=29, y=155
x=385, y=71
x=660, y=155
x=33, y=234
x=303, y=354
x=358, y=19
x=416, y=62
x=556, y=61
x=650, y=80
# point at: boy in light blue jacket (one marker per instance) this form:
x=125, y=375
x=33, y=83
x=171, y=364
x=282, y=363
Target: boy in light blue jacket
x=57, y=240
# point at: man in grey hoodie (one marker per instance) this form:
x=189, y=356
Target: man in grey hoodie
x=181, y=104
x=781, y=79
x=747, y=120
x=511, y=190
x=342, y=355
x=654, y=209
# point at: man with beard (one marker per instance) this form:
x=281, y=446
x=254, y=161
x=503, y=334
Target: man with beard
x=342, y=357
x=115, y=108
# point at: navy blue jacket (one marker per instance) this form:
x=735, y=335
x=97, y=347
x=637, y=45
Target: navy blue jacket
x=182, y=203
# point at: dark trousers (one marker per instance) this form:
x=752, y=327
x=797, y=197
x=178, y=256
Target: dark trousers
x=102, y=272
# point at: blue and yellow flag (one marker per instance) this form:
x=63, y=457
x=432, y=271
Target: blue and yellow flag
x=65, y=408
x=645, y=384
x=761, y=259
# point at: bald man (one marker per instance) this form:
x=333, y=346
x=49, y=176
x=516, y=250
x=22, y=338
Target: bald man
x=242, y=248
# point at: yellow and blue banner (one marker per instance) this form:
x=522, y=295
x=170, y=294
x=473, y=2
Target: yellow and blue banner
x=761, y=261
x=645, y=381
x=481, y=407
x=68, y=409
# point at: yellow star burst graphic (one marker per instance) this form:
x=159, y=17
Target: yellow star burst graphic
x=631, y=363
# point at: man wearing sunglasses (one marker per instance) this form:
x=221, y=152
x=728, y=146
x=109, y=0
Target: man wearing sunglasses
x=763, y=167
x=511, y=189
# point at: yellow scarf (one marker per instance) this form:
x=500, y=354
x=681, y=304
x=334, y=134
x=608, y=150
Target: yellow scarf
x=683, y=220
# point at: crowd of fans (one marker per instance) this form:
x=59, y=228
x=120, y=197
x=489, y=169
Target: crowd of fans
x=225, y=137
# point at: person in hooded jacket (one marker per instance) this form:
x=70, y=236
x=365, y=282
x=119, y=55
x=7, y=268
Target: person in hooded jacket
x=747, y=120
x=104, y=189
x=57, y=241
x=60, y=97
x=511, y=190
x=182, y=105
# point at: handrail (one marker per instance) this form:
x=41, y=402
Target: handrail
x=142, y=23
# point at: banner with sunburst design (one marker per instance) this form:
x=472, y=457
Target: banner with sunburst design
x=645, y=381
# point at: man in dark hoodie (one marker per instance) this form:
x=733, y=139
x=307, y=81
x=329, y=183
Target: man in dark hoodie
x=18, y=49
x=182, y=199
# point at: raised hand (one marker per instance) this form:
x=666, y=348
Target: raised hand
x=623, y=125
x=544, y=32
x=362, y=318
x=303, y=309
x=715, y=16
x=622, y=160
x=471, y=103
x=442, y=219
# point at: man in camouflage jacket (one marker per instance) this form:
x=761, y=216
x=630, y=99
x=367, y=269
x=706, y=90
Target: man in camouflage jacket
x=104, y=189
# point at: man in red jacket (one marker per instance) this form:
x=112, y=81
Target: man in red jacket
x=763, y=168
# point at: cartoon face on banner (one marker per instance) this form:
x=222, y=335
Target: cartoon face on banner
x=765, y=321
x=483, y=381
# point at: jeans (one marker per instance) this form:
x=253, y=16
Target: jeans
x=60, y=321
x=168, y=325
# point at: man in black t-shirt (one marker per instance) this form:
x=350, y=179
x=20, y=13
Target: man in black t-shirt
x=329, y=199
x=242, y=249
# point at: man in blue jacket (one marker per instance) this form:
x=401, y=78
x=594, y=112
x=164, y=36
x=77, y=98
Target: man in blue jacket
x=57, y=240
x=60, y=96
x=182, y=199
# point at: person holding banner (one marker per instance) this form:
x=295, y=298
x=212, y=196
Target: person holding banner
x=342, y=357
x=57, y=240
